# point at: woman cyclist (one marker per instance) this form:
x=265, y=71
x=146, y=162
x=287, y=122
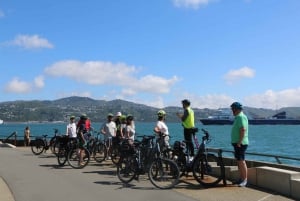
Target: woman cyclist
x=162, y=128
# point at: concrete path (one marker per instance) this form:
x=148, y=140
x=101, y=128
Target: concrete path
x=26, y=177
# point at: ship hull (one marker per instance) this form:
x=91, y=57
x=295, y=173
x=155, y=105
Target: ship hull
x=252, y=121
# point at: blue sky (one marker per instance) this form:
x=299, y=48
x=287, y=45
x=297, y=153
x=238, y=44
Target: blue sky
x=156, y=52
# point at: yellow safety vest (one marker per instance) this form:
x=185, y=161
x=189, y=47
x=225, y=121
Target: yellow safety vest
x=189, y=122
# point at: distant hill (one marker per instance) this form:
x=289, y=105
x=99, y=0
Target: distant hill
x=61, y=109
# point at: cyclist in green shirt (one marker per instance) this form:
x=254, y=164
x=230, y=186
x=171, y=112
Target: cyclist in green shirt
x=239, y=140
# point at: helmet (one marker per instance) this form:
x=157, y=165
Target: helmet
x=236, y=105
x=110, y=115
x=161, y=113
x=119, y=114
x=123, y=117
x=83, y=116
x=129, y=117
x=186, y=102
x=72, y=117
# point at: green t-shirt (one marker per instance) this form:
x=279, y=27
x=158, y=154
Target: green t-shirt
x=240, y=121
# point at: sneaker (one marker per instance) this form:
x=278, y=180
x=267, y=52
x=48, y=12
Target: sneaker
x=243, y=183
x=237, y=181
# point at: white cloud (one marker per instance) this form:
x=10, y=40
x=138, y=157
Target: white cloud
x=31, y=42
x=17, y=86
x=211, y=101
x=22, y=87
x=39, y=82
x=107, y=73
x=275, y=99
x=236, y=75
x=191, y=3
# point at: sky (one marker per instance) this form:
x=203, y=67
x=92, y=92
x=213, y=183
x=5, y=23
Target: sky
x=158, y=52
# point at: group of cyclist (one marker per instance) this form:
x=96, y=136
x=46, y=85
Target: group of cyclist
x=120, y=126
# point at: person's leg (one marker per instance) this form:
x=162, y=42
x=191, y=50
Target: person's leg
x=243, y=169
x=242, y=165
x=189, y=142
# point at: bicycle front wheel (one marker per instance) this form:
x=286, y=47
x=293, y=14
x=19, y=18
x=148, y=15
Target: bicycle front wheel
x=100, y=152
x=115, y=155
x=38, y=146
x=127, y=169
x=164, y=173
x=78, y=157
x=207, y=170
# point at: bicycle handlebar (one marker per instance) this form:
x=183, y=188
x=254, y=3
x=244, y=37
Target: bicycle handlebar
x=206, y=134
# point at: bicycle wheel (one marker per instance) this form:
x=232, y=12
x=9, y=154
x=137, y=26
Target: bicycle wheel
x=115, y=155
x=164, y=173
x=127, y=169
x=74, y=156
x=54, y=146
x=38, y=146
x=207, y=170
x=100, y=152
x=62, y=155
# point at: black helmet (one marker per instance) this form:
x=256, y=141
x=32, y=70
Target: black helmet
x=236, y=105
x=83, y=117
x=129, y=117
x=186, y=102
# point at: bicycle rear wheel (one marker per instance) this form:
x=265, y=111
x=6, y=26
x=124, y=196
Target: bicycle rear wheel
x=38, y=146
x=127, y=169
x=74, y=156
x=164, y=173
x=100, y=152
x=207, y=170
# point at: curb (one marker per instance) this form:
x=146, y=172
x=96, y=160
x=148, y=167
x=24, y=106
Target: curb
x=5, y=193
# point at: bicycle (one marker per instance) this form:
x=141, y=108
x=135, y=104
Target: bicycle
x=145, y=157
x=41, y=144
x=97, y=148
x=208, y=169
x=78, y=156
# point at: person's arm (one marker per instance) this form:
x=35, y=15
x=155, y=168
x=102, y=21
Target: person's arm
x=102, y=130
x=242, y=135
x=185, y=115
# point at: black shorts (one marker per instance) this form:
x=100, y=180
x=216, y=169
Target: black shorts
x=239, y=152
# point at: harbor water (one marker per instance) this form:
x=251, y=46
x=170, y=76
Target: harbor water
x=279, y=140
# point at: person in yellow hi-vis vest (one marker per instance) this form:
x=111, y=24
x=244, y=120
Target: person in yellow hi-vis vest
x=188, y=123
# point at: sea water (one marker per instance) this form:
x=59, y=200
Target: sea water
x=279, y=140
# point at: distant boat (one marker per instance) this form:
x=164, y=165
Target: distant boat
x=1, y=121
x=225, y=118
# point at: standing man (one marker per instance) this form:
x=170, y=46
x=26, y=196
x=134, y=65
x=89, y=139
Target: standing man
x=71, y=128
x=26, y=136
x=188, y=123
x=239, y=140
x=109, y=130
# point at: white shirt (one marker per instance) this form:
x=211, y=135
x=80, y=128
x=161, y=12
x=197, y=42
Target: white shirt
x=163, y=128
x=110, y=129
x=71, y=130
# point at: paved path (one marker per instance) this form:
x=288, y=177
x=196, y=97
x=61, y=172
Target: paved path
x=38, y=178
